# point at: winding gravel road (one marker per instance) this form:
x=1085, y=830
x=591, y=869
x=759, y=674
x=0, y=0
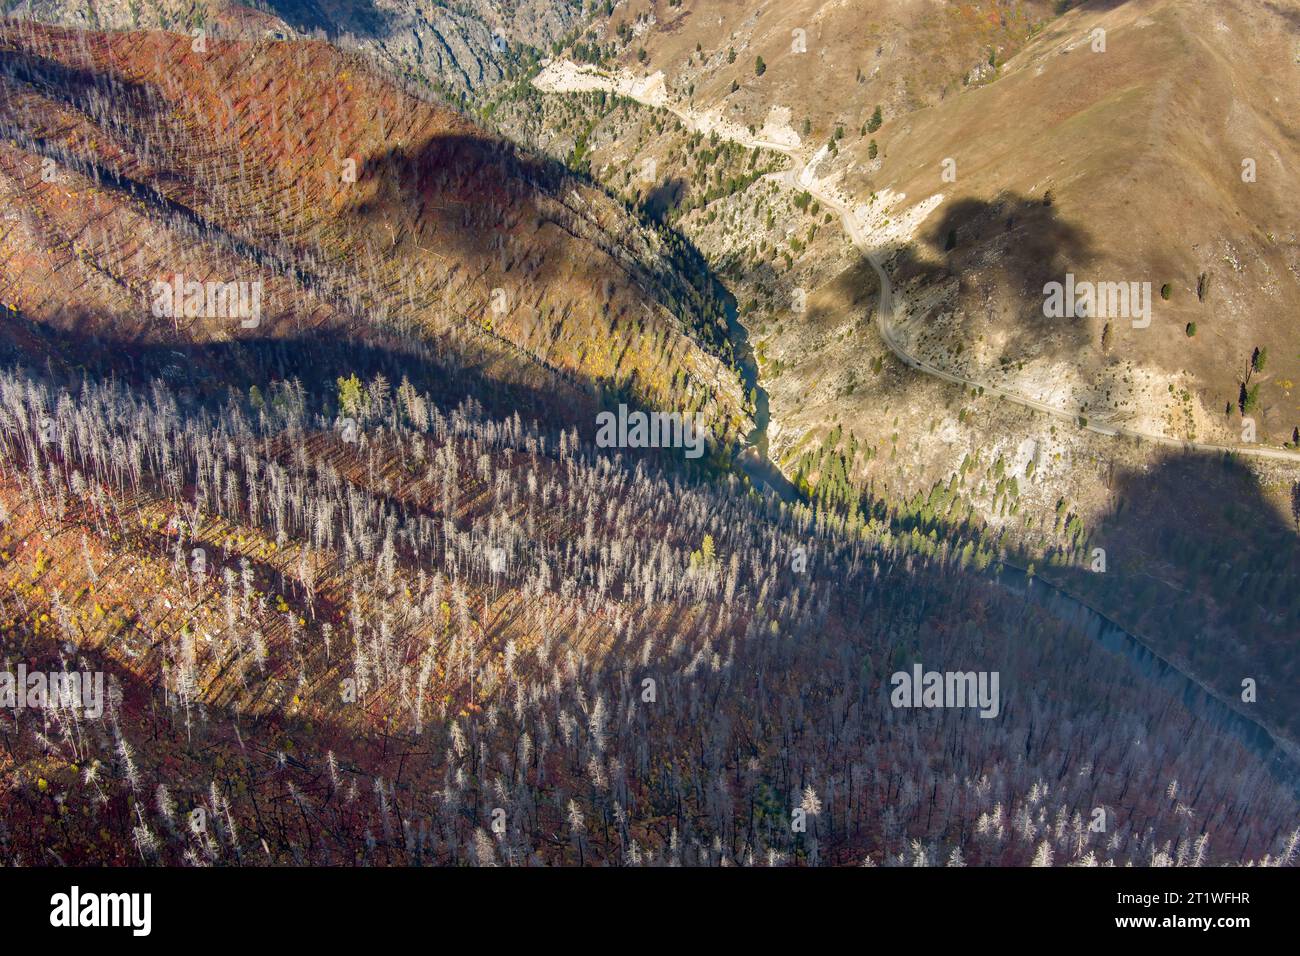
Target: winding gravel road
x=796, y=179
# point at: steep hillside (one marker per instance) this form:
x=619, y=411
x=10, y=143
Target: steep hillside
x=459, y=47
x=131, y=159
x=452, y=638
x=1139, y=142
x=826, y=62
x=962, y=401
x=299, y=377
x=1148, y=143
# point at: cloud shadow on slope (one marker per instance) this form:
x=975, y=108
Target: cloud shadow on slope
x=1204, y=563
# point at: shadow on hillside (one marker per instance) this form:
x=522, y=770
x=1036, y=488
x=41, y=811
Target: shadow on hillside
x=358, y=17
x=206, y=373
x=1202, y=566
x=487, y=203
x=664, y=198
x=1004, y=249
x=1290, y=14
x=1094, y=6
x=480, y=202
x=1007, y=249
x=79, y=87
x=1205, y=565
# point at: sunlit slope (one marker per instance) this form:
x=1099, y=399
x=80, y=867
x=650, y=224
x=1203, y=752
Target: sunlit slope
x=131, y=158
x=1149, y=143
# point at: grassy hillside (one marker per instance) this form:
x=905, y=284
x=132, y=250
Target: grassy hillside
x=1167, y=158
